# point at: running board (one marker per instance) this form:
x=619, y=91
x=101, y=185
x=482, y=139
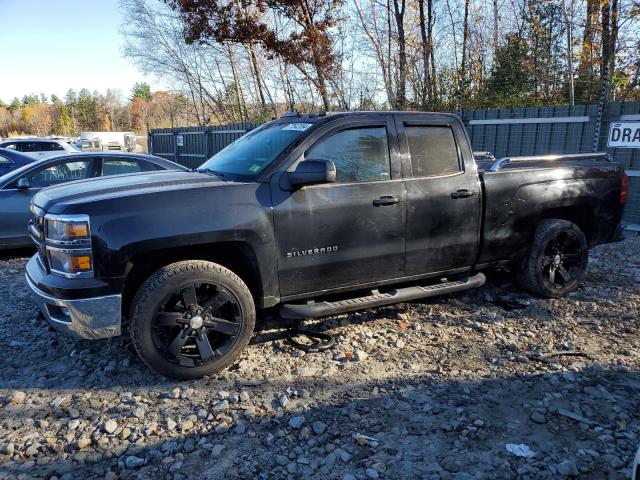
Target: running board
x=376, y=299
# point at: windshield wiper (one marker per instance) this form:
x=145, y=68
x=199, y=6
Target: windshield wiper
x=208, y=171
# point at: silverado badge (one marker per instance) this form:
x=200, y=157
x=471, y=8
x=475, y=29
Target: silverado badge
x=311, y=251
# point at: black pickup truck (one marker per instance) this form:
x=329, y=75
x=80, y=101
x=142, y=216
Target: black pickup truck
x=309, y=215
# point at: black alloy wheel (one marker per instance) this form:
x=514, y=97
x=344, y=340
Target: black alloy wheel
x=563, y=260
x=557, y=261
x=191, y=318
x=197, y=324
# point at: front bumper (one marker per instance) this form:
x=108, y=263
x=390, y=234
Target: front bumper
x=89, y=318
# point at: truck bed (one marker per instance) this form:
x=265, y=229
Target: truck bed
x=518, y=191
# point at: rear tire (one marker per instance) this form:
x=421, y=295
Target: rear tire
x=191, y=319
x=558, y=259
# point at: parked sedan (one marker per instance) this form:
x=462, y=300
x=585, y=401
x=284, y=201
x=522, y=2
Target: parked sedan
x=39, y=147
x=11, y=160
x=19, y=186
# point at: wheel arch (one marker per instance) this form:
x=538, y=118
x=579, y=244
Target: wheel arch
x=583, y=215
x=237, y=256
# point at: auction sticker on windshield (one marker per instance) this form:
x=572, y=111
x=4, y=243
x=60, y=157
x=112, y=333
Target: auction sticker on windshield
x=624, y=135
x=299, y=127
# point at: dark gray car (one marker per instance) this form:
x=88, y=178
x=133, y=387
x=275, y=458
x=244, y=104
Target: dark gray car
x=19, y=186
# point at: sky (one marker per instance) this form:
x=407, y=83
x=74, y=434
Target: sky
x=49, y=46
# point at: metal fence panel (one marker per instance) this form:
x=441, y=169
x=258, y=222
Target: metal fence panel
x=196, y=144
x=505, y=132
x=561, y=129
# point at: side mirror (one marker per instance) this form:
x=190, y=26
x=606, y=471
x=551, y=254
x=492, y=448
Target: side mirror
x=311, y=172
x=23, y=184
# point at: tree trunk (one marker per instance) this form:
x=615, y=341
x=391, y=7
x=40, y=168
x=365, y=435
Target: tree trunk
x=615, y=6
x=605, y=10
x=401, y=92
x=426, y=81
x=236, y=83
x=257, y=80
x=463, y=63
x=585, y=68
x=495, y=28
x=434, y=79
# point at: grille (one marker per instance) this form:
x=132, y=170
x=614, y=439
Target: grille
x=36, y=232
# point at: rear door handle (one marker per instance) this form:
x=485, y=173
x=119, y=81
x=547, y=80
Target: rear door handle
x=463, y=193
x=386, y=200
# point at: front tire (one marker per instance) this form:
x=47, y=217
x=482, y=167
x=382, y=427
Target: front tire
x=191, y=319
x=558, y=259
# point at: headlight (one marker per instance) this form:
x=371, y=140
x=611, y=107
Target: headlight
x=68, y=245
x=69, y=262
x=67, y=230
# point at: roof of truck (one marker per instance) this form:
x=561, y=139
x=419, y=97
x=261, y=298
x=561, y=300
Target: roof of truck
x=321, y=114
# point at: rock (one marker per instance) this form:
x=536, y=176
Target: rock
x=124, y=434
x=451, y=464
x=171, y=424
x=616, y=462
x=537, y=417
x=186, y=425
x=7, y=449
x=240, y=428
x=222, y=428
x=139, y=412
x=175, y=467
x=17, y=398
x=283, y=400
x=319, y=427
x=217, y=450
x=281, y=460
x=134, y=462
x=84, y=442
x=221, y=405
x=223, y=394
x=567, y=468
x=202, y=414
x=296, y=422
x=371, y=473
x=73, y=424
x=348, y=476
x=32, y=449
x=244, y=396
x=175, y=393
x=360, y=356
x=110, y=426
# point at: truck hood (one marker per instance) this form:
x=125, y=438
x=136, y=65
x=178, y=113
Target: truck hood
x=84, y=191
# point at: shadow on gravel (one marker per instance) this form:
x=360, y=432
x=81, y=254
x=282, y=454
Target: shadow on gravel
x=420, y=427
x=17, y=253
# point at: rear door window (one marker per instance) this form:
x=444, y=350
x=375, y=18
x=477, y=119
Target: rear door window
x=433, y=150
x=118, y=166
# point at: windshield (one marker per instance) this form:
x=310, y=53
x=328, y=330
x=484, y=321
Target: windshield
x=251, y=154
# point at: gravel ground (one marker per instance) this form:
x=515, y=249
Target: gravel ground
x=491, y=383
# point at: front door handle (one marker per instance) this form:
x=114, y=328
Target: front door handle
x=386, y=200
x=463, y=193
